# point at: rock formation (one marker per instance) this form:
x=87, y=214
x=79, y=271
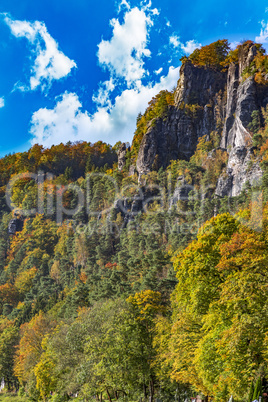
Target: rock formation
x=199, y=103
x=15, y=225
x=243, y=97
x=207, y=100
x=121, y=154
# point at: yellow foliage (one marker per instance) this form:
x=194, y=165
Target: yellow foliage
x=45, y=381
x=147, y=303
x=24, y=280
x=55, y=271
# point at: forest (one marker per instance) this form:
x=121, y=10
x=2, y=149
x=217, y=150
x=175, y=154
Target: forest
x=113, y=289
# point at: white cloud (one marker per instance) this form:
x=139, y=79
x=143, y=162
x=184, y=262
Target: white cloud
x=102, y=97
x=263, y=38
x=62, y=123
x=187, y=48
x=115, y=117
x=146, y=5
x=123, y=3
x=50, y=63
x=234, y=44
x=174, y=40
x=190, y=46
x=123, y=54
x=159, y=71
x=155, y=11
x=67, y=122
x=2, y=102
x=19, y=86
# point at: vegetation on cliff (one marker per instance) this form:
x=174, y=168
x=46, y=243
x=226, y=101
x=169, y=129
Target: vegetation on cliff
x=157, y=108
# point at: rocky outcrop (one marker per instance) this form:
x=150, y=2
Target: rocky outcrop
x=15, y=225
x=206, y=100
x=159, y=145
x=199, y=104
x=129, y=207
x=199, y=85
x=246, y=56
x=181, y=191
x=241, y=102
x=240, y=171
x=121, y=154
x=243, y=97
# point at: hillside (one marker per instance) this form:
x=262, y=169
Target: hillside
x=139, y=273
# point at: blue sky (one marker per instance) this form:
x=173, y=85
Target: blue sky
x=83, y=70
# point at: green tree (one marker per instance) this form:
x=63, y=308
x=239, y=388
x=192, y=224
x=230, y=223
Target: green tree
x=8, y=339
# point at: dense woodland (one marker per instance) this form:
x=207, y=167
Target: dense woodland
x=160, y=304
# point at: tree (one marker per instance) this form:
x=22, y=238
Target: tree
x=8, y=340
x=145, y=306
x=197, y=288
x=219, y=319
x=30, y=347
x=213, y=55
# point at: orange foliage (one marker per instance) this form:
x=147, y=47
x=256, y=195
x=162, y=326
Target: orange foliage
x=110, y=265
x=30, y=346
x=83, y=277
x=56, y=159
x=213, y=55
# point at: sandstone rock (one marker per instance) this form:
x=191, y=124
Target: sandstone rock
x=181, y=191
x=15, y=225
x=246, y=56
x=132, y=170
x=198, y=85
x=199, y=102
x=243, y=97
x=122, y=156
x=240, y=171
x=203, y=98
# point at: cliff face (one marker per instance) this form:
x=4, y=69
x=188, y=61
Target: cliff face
x=243, y=97
x=199, y=105
x=207, y=100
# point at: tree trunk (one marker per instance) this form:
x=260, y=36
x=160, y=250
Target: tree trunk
x=145, y=391
x=8, y=385
x=109, y=396
x=151, y=390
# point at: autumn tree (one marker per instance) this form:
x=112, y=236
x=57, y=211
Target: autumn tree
x=213, y=55
x=30, y=349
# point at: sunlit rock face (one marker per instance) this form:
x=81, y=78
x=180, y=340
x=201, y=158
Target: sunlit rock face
x=199, y=105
